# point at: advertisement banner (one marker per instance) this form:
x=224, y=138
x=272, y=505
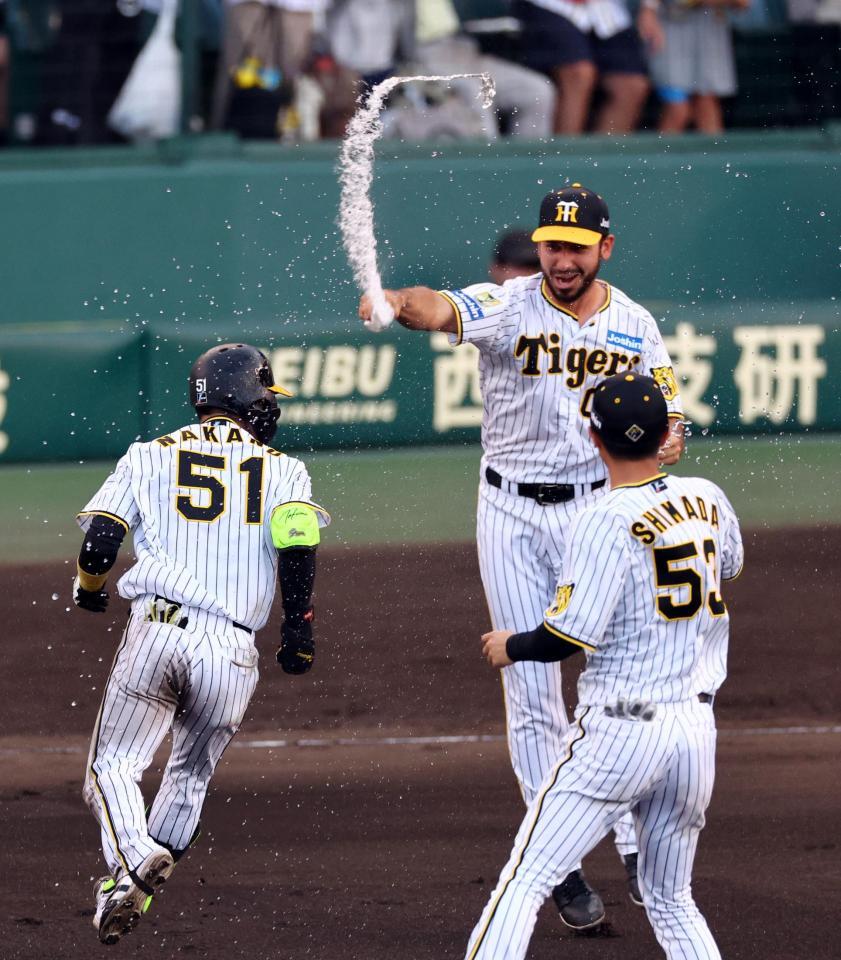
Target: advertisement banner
x=79, y=394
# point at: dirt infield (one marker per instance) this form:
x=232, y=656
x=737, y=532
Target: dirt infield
x=380, y=850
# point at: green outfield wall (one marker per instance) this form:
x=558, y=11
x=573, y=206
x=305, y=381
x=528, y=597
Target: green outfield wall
x=121, y=265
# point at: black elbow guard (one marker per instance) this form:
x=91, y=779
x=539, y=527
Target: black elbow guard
x=101, y=545
x=539, y=644
x=296, y=574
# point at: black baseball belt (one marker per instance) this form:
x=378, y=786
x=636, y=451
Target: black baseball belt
x=543, y=493
x=171, y=614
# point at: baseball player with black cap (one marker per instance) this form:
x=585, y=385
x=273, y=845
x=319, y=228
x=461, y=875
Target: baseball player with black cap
x=640, y=593
x=545, y=341
x=218, y=516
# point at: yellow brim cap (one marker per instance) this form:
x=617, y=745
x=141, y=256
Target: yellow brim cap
x=569, y=234
x=282, y=391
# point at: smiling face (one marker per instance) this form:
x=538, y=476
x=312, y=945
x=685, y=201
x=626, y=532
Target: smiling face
x=571, y=268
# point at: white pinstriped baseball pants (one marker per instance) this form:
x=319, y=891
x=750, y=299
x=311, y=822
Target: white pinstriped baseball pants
x=662, y=771
x=521, y=548
x=195, y=682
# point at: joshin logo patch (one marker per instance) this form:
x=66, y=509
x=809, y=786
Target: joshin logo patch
x=624, y=340
x=464, y=300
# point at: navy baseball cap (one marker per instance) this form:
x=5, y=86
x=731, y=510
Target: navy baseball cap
x=516, y=249
x=629, y=411
x=575, y=215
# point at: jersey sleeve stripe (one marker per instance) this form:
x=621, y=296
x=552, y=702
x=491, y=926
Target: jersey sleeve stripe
x=102, y=513
x=563, y=636
x=454, y=305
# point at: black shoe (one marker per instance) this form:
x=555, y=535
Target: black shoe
x=630, y=861
x=579, y=905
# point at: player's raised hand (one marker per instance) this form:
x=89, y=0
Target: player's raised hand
x=394, y=299
x=673, y=448
x=493, y=647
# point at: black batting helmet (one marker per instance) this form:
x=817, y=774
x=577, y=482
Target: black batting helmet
x=237, y=378
x=630, y=415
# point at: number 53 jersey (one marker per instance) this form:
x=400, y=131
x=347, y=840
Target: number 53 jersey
x=199, y=502
x=640, y=590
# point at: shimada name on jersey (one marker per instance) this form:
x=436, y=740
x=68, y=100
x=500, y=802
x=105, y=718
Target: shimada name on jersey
x=669, y=513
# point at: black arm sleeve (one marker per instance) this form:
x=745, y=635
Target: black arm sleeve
x=539, y=644
x=296, y=573
x=101, y=545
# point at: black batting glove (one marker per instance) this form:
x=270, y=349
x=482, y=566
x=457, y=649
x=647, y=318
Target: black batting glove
x=297, y=647
x=96, y=601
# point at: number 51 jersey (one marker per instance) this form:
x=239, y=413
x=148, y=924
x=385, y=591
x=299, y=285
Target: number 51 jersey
x=199, y=502
x=640, y=590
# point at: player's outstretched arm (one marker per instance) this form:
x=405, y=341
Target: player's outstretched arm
x=99, y=551
x=416, y=308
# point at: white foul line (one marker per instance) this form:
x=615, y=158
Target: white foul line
x=307, y=742
x=490, y=738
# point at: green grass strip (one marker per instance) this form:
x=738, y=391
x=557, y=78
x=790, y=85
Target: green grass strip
x=428, y=494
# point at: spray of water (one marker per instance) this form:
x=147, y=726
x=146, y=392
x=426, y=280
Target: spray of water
x=356, y=166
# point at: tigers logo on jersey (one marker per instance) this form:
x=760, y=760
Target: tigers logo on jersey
x=665, y=380
x=563, y=595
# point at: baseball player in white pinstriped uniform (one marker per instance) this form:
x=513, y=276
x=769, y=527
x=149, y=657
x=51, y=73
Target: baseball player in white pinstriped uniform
x=639, y=592
x=544, y=343
x=217, y=516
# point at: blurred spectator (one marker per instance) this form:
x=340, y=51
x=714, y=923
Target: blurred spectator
x=524, y=98
x=816, y=66
x=70, y=60
x=585, y=45
x=695, y=67
x=370, y=36
x=267, y=40
x=514, y=255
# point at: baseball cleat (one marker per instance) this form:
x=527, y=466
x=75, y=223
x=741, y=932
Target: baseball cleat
x=101, y=891
x=121, y=902
x=580, y=907
x=630, y=861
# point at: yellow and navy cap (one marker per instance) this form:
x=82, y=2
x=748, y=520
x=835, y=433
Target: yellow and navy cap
x=574, y=215
x=629, y=411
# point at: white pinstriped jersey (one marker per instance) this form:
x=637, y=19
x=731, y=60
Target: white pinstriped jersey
x=605, y=18
x=199, y=501
x=640, y=590
x=538, y=368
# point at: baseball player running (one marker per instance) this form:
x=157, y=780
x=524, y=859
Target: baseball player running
x=217, y=515
x=544, y=343
x=639, y=592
